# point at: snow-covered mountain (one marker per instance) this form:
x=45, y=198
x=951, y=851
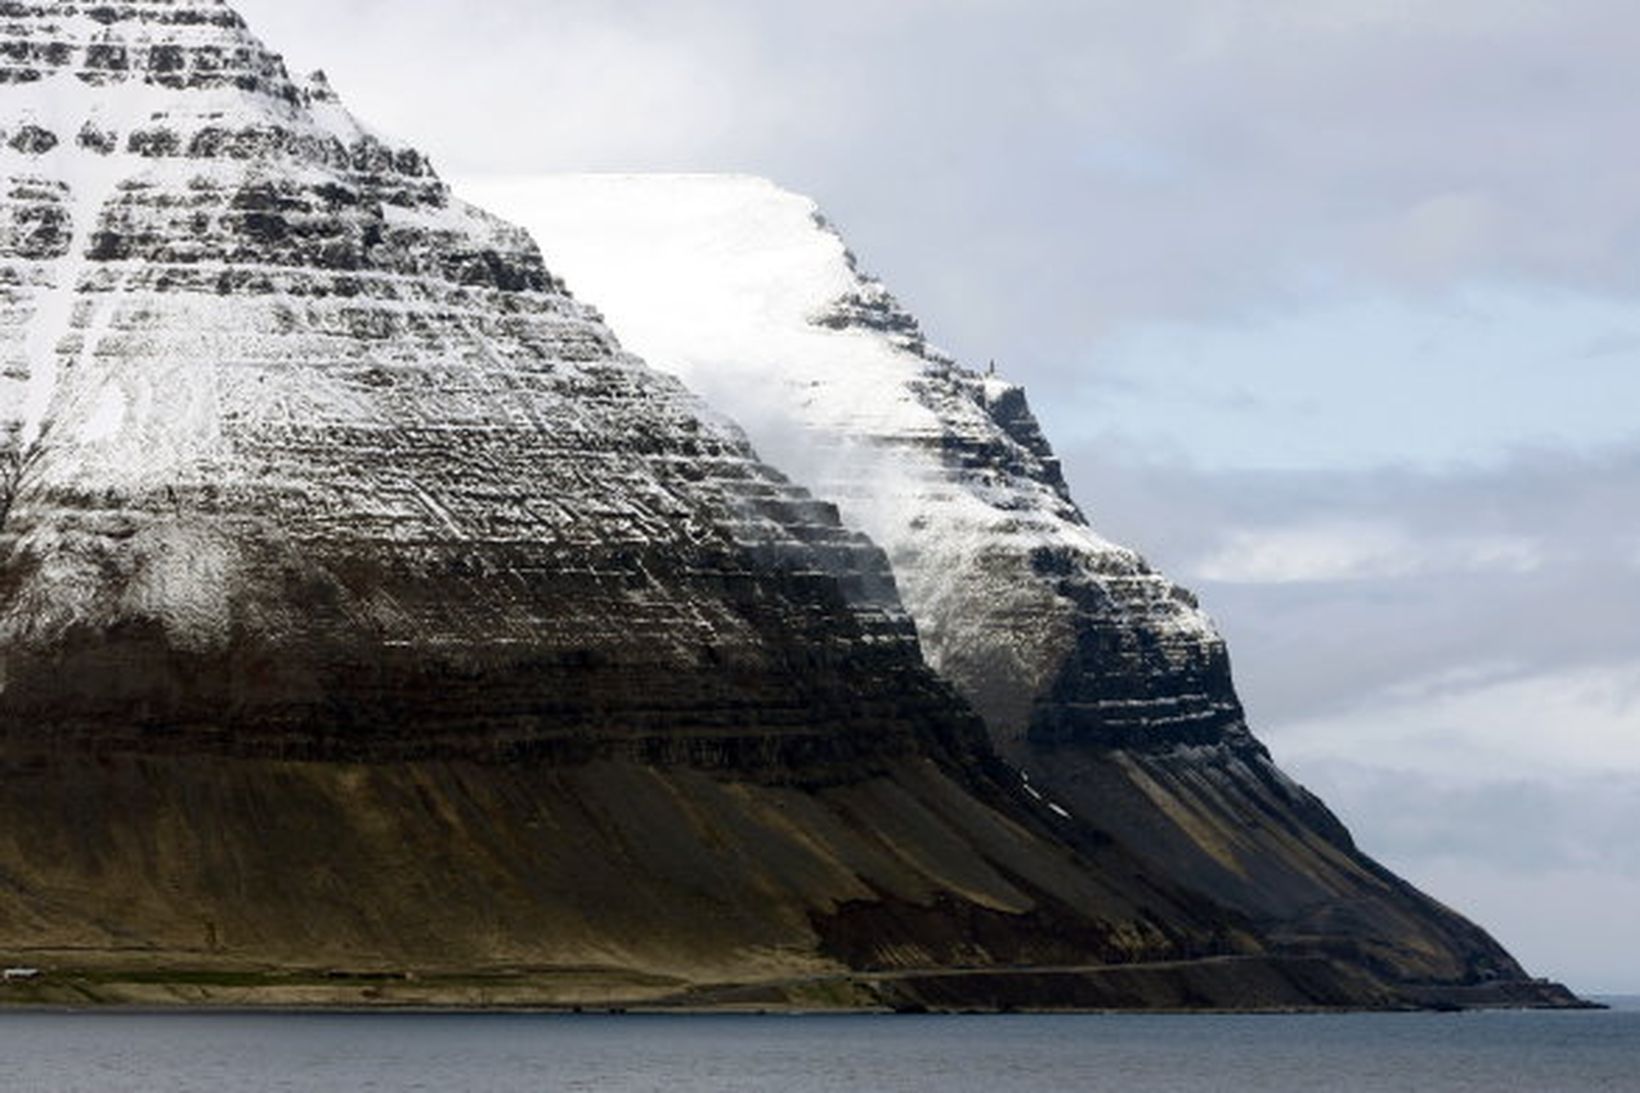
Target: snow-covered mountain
x=257, y=358
x=375, y=628
x=364, y=606
x=1095, y=674
x=744, y=292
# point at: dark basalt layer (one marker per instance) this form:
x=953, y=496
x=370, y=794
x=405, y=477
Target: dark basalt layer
x=204, y=880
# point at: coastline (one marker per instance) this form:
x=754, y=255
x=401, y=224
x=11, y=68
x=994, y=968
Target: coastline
x=1274, y=986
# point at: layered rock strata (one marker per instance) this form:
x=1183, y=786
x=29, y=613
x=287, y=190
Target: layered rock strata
x=1098, y=677
x=368, y=615
x=281, y=422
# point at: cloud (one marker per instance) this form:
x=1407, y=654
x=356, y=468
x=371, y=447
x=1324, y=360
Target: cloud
x=1370, y=382
x=1582, y=721
x=1547, y=863
x=1478, y=726
x=1447, y=234
x=571, y=81
x=1335, y=587
x=1308, y=191
x=1358, y=552
x=1577, y=820
x=1195, y=156
x=1613, y=343
x=1574, y=923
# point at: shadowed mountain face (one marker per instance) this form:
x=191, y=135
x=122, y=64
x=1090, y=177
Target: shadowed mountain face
x=1099, y=678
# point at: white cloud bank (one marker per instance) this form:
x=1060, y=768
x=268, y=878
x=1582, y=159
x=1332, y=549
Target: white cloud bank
x=1582, y=721
x=1359, y=552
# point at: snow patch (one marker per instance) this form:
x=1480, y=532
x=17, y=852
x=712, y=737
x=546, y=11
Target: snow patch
x=184, y=581
x=107, y=417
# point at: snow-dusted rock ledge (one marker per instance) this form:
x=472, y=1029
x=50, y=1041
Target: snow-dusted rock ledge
x=1097, y=675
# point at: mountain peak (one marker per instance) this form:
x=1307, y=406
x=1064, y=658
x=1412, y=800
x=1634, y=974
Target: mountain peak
x=391, y=615
x=239, y=321
x=316, y=88
x=364, y=605
x=1094, y=673
x=200, y=45
x=165, y=79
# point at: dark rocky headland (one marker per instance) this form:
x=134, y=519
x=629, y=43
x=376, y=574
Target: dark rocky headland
x=374, y=630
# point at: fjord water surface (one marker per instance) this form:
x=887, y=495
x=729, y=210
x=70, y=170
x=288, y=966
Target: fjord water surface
x=1489, y=1052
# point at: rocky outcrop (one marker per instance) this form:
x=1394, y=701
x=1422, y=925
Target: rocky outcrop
x=1099, y=678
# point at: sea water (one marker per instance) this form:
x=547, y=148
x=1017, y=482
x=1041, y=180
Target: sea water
x=1122, y=1054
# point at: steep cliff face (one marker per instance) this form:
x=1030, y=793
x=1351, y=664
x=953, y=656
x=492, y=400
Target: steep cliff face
x=364, y=605
x=280, y=421
x=1097, y=676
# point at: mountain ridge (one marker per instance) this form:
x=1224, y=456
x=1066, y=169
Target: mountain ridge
x=366, y=609
x=376, y=629
x=1096, y=675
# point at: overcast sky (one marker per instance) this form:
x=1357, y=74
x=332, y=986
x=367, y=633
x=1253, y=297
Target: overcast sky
x=1329, y=304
